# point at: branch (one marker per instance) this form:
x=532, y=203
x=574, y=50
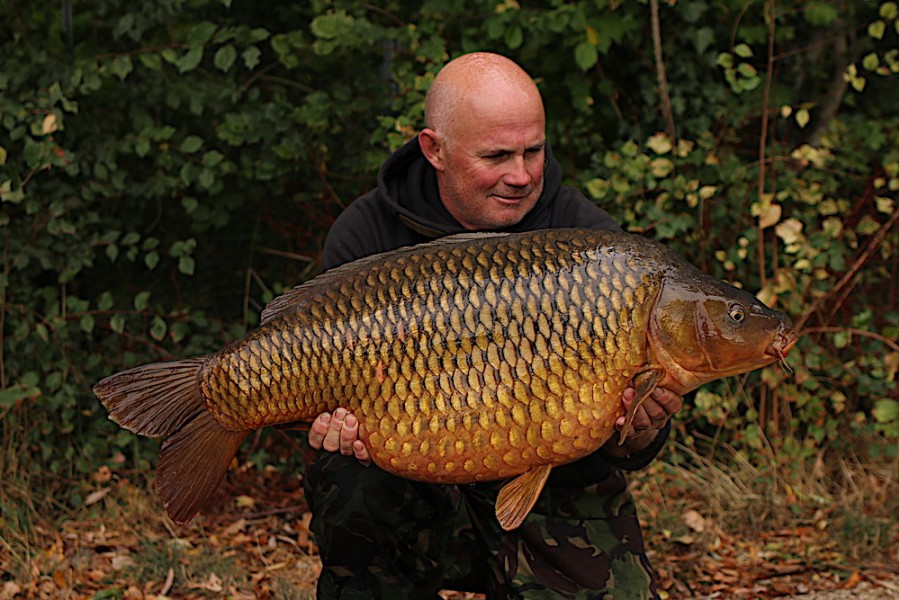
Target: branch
x=872, y=245
x=871, y=334
x=660, y=70
x=838, y=90
x=763, y=138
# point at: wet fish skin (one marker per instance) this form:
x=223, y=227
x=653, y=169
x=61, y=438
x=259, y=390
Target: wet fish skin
x=472, y=358
x=462, y=363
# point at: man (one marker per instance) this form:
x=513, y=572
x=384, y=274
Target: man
x=481, y=164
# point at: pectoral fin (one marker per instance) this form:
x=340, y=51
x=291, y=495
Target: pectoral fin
x=644, y=384
x=517, y=498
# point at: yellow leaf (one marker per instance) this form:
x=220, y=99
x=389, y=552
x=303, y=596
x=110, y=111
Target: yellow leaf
x=884, y=204
x=802, y=117
x=592, y=35
x=660, y=143
x=891, y=362
x=245, y=502
x=49, y=125
x=790, y=231
x=770, y=216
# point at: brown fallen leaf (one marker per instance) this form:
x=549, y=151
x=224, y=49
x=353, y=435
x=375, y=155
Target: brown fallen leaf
x=694, y=521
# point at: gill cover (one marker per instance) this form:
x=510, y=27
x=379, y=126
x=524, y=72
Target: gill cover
x=703, y=329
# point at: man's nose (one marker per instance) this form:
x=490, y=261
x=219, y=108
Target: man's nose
x=517, y=174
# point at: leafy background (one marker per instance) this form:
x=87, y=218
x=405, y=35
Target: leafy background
x=167, y=168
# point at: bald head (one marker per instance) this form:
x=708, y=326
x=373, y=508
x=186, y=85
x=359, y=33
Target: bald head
x=474, y=83
x=486, y=139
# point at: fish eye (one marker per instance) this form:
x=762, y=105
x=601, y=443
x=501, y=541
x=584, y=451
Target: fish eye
x=736, y=312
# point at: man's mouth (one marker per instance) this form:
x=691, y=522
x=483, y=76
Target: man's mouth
x=510, y=199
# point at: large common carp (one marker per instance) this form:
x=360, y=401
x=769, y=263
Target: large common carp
x=476, y=357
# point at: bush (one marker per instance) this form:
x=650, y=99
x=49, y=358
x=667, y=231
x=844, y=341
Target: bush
x=166, y=169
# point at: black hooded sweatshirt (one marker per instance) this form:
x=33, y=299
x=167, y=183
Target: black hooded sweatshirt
x=406, y=209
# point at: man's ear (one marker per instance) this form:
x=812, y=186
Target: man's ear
x=429, y=141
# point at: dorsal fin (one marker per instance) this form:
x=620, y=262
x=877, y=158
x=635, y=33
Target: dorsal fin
x=302, y=292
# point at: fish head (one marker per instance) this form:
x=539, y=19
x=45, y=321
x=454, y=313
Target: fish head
x=703, y=329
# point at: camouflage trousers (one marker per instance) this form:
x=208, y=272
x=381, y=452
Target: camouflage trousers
x=384, y=537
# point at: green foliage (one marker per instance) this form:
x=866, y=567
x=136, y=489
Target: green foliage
x=179, y=165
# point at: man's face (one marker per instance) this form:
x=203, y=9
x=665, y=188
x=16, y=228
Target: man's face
x=493, y=162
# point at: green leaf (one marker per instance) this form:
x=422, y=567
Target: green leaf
x=151, y=259
x=877, y=29
x=201, y=33
x=34, y=153
x=87, y=323
x=889, y=10
x=496, y=27
x=186, y=265
x=331, y=26
x=705, y=37
x=742, y=50
x=206, y=179
x=117, y=323
x=158, y=328
x=105, y=301
x=871, y=61
x=821, y=13
x=886, y=410
x=586, y=55
x=212, y=158
x=514, y=36
x=191, y=60
x=225, y=57
x=251, y=56
x=191, y=144
x=121, y=66
x=141, y=300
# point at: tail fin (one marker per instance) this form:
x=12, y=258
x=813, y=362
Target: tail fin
x=163, y=400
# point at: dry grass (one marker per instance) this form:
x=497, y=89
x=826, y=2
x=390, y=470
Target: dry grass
x=735, y=522
x=712, y=524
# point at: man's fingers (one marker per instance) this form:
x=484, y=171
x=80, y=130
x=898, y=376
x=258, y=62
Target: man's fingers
x=361, y=452
x=318, y=429
x=332, y=437
x=348, y=435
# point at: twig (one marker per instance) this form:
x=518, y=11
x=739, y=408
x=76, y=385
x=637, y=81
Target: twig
x=763, y=137
x=290, y=255
x=660, y=70
x=872, y=245
x=862, y=332
x=275, y=511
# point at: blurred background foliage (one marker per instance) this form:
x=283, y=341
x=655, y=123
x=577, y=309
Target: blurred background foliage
x=166, y=168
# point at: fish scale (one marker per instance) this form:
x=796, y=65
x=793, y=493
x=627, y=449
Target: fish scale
x=474, y=357
x=490, y=339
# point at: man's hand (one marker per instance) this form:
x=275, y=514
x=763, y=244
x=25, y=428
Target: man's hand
x=338, y=432
x=649, y=420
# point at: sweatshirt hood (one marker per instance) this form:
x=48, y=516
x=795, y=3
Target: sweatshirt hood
x=408, y=184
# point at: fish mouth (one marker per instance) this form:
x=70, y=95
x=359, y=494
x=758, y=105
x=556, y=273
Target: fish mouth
x=781, y=345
